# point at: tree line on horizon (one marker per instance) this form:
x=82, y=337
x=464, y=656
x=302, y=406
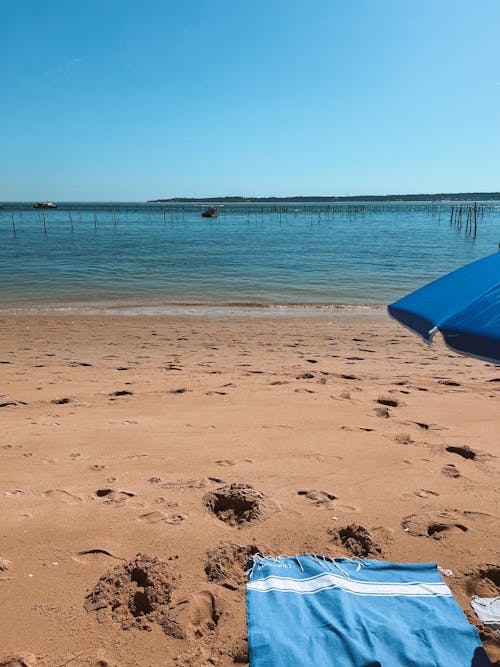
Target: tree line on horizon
x=461, y=196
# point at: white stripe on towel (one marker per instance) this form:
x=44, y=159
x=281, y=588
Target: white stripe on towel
x=328, y=580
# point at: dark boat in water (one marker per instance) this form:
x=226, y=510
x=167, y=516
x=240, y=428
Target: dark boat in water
x=45, y=204
x=210, y=213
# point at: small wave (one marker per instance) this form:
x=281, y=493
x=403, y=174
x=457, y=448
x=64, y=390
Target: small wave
x=196, y=309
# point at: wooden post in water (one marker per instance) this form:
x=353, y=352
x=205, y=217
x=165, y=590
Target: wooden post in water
x=44, y=225
x=13, y=222
x=71, y=220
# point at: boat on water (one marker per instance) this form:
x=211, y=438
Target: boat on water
x=45, y=204
x=210, y=213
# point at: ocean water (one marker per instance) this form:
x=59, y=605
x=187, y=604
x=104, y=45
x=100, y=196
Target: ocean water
x=167, y=258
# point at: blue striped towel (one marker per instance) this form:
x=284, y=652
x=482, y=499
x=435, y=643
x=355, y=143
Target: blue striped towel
x=312, y=611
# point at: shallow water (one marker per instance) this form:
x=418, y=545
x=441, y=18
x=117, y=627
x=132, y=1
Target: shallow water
x=155, y=258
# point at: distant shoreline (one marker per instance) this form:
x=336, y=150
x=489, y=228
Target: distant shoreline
x=460, y=196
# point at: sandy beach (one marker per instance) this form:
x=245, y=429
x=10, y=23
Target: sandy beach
x=173, y=449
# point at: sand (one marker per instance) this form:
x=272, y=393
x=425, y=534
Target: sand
x=143, y=460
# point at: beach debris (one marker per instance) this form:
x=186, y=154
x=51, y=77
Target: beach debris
x=226, y=564
x=357, y=539
x=63, y=400
x=488, y=612
x=122, y=392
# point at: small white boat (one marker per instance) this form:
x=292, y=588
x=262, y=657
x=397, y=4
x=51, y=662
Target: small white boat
x=45, y=204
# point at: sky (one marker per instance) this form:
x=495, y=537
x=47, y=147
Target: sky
x=128, y=100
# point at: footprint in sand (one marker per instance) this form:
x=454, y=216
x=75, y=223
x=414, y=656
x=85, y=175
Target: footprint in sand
x=230, y=462
x=62, y=496
x=114, y=496
x=382, y=412
x=185, y=484
x=404, y=439
x=13, y=492
x=425, y=493
x=319, y=498
x=194, y=617
x=451, y=470
x=4, y=564
x=437, y=525
x=156, y=516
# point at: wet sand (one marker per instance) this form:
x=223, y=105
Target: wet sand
x=196, y=442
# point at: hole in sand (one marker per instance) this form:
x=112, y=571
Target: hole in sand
x=389, y=402
x=483, y=580
x=236, y=505
x=226, y=563
x=135, y=594
x=464, y=451
x=140, y=577
x=140, y=606
x=358, y=540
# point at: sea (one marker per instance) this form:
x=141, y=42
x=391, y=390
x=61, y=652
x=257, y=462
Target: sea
x=164, y=258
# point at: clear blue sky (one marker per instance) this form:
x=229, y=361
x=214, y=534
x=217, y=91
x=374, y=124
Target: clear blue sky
x=137, y=99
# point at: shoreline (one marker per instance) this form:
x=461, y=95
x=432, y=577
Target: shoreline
x=214, y=310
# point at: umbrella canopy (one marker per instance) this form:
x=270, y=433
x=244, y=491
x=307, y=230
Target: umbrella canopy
x=464, y=306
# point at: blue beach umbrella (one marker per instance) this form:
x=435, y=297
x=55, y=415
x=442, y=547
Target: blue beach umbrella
x=464, y=306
